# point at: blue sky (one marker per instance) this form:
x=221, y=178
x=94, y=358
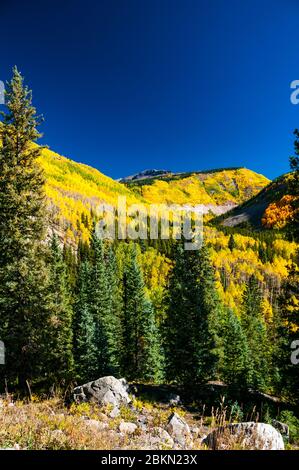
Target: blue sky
x=184, y=85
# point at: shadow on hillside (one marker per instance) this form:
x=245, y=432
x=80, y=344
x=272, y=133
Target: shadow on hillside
x=212, y=396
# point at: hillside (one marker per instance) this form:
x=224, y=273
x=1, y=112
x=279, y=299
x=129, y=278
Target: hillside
x=269, y=208
x=74, y=190
x=213, y=187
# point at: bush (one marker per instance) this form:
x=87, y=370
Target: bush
x=292, y=421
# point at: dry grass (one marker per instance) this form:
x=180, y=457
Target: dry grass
x=50, y=425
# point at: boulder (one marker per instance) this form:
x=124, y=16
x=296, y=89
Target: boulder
x=96, y=425
x=162, y=436
x=127, y=428
x=104, y=391
x=174, y=400
x=115, y=412
x=281, y=427
x=179, y=429
x=249, y=436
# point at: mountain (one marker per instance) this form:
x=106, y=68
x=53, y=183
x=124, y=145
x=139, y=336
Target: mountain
x=219, y=187
x=74, y=190
x=145, y=174
x=269, y=208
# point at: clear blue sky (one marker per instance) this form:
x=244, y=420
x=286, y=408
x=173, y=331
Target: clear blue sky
x=184, y=85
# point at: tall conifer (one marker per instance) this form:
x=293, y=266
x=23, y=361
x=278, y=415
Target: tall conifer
x=24, y=299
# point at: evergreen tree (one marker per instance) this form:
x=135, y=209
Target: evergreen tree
x=235, y=348
x=254, y=327
x=287, y=329
x=115, y=317
x=24, y=298
x=231, y=242
x=85, y=345
x=100, y=305
x=142, y=351
x=61, y=361
x=194, y=318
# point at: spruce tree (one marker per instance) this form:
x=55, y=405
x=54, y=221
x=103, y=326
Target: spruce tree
x=194, y=318
x=24, y=298
x=254, y=327
x=114, y=320
x=235, y=351
x=61, y=361
x=142, y=350
x=287, y=329
x=100, y=305
x=231, y=242
x=85, y=341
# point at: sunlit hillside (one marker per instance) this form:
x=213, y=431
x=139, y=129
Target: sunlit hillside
x=214, y=187
x=74, y=190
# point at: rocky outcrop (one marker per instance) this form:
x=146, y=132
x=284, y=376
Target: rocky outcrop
x=249, y=436
x=104, y=391
x=179, y=430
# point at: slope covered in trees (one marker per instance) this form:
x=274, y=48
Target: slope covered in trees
x=231, y=185
x=145, y=309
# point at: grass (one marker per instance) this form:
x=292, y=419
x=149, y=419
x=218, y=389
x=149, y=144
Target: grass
x=49, y=424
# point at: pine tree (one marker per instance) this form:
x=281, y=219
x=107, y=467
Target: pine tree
x=115, y=317
x=194, y=317
x=231, y=242
x=85, y=345
x=287, y=329
x=24, y=299
x=142, y=351
x=254, y=327
x=235, y=350
x=61, y=361
x=100, y=305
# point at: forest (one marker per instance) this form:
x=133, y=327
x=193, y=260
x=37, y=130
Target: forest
x=74, y=308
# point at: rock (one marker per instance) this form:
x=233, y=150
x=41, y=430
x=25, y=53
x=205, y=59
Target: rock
x=250, y=436
x=127, y=428
x=96, y=425
x=125, y=384
x=174, y=400
x=163, y=436
x=179, y=429
x=104, y=391
x=114, y=413
x=195, y=431
x=281, y=427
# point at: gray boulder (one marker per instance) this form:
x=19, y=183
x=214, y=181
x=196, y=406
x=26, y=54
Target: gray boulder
x=179, y=430
x=127, y=427
x=250, y=436
x=104, y=391
x=281, y=427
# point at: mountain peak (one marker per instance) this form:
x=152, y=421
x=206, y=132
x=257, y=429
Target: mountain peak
x=150, y=173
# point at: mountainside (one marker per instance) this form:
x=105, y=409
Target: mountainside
x=269, y=208
x=212, y=187
x=74, y=190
